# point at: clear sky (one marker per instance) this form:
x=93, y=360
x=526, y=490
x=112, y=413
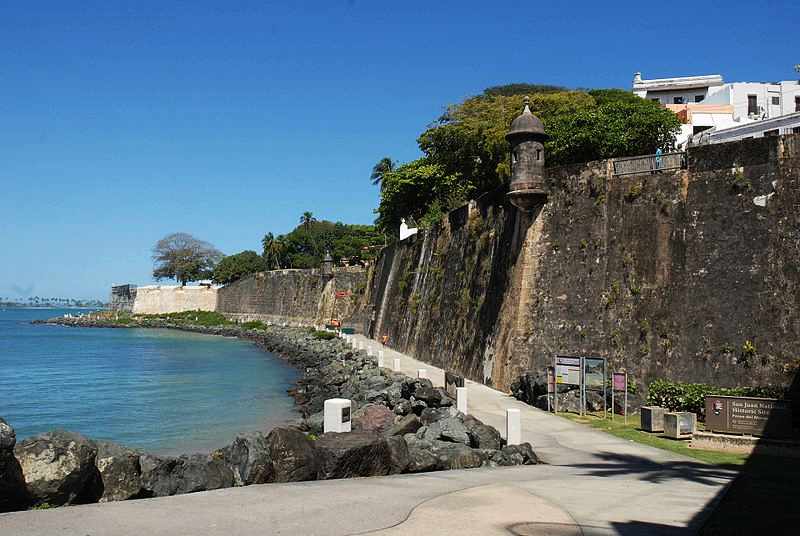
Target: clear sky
x=121, y=122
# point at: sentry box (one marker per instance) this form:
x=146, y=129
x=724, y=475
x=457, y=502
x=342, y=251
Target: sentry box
x=337, y=415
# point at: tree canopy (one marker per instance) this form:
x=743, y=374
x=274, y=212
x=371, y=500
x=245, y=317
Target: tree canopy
x=182, y=257
x=306, y=245
x=465, y=152
x=235, y=267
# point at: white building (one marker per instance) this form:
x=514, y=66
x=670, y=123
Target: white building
x=707, y=102
x=776, y=126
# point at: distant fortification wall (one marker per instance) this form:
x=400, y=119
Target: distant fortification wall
x=158, y=299
x=296, y=296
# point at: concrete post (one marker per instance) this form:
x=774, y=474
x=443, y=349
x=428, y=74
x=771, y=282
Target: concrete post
x=336, y=415
x=370, y=350
x=422, y=373
x=396, y=364
x=513, y=428
x=380, y=358
x=461, y=399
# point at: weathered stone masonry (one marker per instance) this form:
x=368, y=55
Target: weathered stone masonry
x=675, y=274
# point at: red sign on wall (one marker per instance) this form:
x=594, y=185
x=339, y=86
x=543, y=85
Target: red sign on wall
x=343, y=293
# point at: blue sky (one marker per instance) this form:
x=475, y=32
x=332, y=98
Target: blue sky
x=121, y=122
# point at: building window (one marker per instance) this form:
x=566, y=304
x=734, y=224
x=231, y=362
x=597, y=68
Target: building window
x=677, y=100
x=514, y=157
x=797, y=104
x=699, y=98
x=538, y=154
x=796, y=130
x=776, y=101
x=697, y=130
x=773, y=132
x=752, y=105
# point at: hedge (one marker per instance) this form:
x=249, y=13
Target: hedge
x=677, y=396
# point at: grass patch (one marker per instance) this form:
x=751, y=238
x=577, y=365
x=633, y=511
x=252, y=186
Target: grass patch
x=323, y=335
x=254, y=324
x=197, y=318
x=631, y=432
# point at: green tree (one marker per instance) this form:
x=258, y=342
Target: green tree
x=182, y=257
x=385, y=165
x=466, y=147
x=307, y=219
x=235, y=267
x=274, y=251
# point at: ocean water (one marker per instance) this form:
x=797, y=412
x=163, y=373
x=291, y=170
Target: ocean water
x=163, y=391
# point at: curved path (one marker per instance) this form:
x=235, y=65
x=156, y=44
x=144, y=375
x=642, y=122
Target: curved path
x=592, y=483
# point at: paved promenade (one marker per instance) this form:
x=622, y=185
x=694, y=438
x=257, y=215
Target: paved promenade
x=592, y=484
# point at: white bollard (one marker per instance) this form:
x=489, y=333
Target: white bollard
x=461, y=399
x=422, y=373
x=337, y=415
x=370, y=351
x=396, y=364
x=513, y=428
x=380, y=358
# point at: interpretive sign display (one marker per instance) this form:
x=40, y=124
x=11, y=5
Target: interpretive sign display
x=451, y=382
x=768, y=417
x=568, y=370
x=595, y=377
x=619, y=382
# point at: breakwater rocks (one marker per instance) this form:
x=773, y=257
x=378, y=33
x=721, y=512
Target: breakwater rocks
x=400, y=425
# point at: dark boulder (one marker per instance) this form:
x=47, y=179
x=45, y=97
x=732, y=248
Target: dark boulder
x=431, y=396
x=450, y=429
x=249, y=460
x=59, y=468
x=353, y=454
x=199, y=472
x=481, y=435
x=403, y=407
x=420, y=457
x=455, y=456
x=399, y=456
x=408, y=424
x=13, y=492
x=292, y=454
x=373, y=418
x=430, y=415
x=119, y=471
x=410, y=386
x=521, y=454
x=159, y=475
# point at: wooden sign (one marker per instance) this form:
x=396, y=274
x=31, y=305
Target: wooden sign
x=767, y=417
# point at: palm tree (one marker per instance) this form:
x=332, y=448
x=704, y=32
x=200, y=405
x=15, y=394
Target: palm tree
x=307, y=219
x=379, y=170
x=274, y=249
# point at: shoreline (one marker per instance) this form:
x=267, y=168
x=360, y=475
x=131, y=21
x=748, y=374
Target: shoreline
x=400, y=425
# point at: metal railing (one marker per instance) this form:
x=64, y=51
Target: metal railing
x=649, y=163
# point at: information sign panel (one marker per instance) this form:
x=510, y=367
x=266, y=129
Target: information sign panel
x=768, y=417
x=619, y=381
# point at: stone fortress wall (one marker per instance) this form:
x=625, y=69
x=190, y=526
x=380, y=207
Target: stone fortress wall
x=160, y=299
x=691, y=274
x=296, y=296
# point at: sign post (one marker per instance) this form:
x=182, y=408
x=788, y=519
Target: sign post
x=619, y=382
x=568, y=371
x=551, y=387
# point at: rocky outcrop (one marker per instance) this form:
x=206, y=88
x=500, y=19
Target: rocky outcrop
x=293, y=456
x=13, y=492
x=59, y=469
x=120, y=471
x=249, y=460
x=353, y=454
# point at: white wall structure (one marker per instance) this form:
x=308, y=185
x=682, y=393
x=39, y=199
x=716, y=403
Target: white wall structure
x=405, y=230
x=785, y=124
x=727, y=105
x=158, y=299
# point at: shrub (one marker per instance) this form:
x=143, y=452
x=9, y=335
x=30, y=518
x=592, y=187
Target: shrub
x=254, y=324
x=677, y=396
x=323, y=335
x=197, y=318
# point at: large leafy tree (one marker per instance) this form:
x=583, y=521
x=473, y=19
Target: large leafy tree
x=468, y=143
x=235, y=267
x=305, y=246
x=182, y=257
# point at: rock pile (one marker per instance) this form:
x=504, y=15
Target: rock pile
x=400, y=425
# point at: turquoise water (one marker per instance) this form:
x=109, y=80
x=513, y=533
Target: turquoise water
x=163, y=391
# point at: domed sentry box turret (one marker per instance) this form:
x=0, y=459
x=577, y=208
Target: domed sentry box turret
x=326, y=267
x=526, y=136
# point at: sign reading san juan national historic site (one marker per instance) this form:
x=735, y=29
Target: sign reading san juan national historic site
x=744, y=415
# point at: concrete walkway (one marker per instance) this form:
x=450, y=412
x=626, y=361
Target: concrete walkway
x=593, y=483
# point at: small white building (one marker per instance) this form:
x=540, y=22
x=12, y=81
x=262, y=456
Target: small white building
x=405, y=230
x=707, y=102
x=776, y=126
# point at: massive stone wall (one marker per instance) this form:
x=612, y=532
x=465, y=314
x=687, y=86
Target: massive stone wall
x=295, y=296
x=159, y=299
x=677, y=274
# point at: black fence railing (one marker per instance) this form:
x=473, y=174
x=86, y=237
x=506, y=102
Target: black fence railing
x=649, y=163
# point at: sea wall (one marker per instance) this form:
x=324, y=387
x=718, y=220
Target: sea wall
x=690, y=274
x=158, y=299
x=296, y=296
